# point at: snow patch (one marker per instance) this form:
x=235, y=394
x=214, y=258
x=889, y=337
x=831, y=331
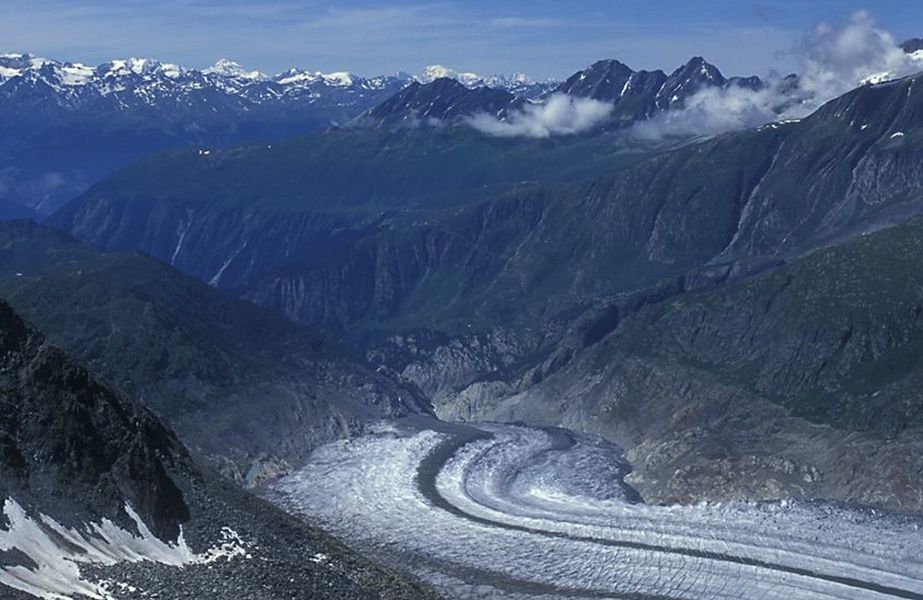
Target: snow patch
x=57, y=552
x=434, y=72
x=229, y=68
x=74, y=74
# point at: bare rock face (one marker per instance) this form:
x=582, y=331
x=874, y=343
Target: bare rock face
x=474, y=400
x=83, y=460
x=443, y=367
x=61, y=425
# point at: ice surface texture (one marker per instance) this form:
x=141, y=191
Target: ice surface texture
x=515, y=512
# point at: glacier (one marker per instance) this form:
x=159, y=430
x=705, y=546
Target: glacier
x=500, y=511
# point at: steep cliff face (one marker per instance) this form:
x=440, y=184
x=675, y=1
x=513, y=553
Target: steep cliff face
x=242, y=386
x=101, y=500
x=60, y=425
x=802, y=381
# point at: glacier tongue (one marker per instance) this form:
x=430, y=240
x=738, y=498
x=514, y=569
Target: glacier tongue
x=502, y=511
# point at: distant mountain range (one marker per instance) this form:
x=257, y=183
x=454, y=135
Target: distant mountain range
x=64, y=126
x=126, y=85
x=635, y=95
x=516, y=83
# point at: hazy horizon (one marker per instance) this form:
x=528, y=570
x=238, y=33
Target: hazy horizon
x=538, y=38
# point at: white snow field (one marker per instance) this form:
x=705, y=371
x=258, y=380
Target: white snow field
x=57, y=552
x=513, y=512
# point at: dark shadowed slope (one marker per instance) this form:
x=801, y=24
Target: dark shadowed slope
x=441, y=102
x=101, y=500
x=249, y=389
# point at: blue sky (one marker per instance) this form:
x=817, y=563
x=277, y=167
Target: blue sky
x=543, y=38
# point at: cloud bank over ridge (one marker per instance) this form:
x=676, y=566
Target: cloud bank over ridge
x=560, y=114
x=833, y=59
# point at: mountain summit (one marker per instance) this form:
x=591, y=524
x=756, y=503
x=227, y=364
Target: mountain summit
x=642, y=94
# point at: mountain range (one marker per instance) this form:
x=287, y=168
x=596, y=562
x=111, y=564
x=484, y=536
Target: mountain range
x=66, y=125
x=468, y=262
x=238, y=268
x=633, y=95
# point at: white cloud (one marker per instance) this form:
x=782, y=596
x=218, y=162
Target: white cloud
x=558, y=115
x=834, y=59
x=712, y=111
x=837, y=58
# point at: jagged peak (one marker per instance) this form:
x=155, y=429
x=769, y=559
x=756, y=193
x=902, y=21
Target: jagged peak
x=434, y=72
x=700, y=68
x=303, y=77
x=609, y=64
x=229, y=68
x=134, y=66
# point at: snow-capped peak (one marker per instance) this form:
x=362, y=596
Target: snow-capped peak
x=434, y=72
x=913, y=62
x=519, y=83
x=299, y=77
x=22, y=62
x=74, y=74
x=514, y=80
x=295, y=76
x=126, y=67
x=148, y=82
x=338, y=78
x=229, y=68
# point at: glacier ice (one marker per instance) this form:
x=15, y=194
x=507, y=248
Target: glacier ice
x=504, y=511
